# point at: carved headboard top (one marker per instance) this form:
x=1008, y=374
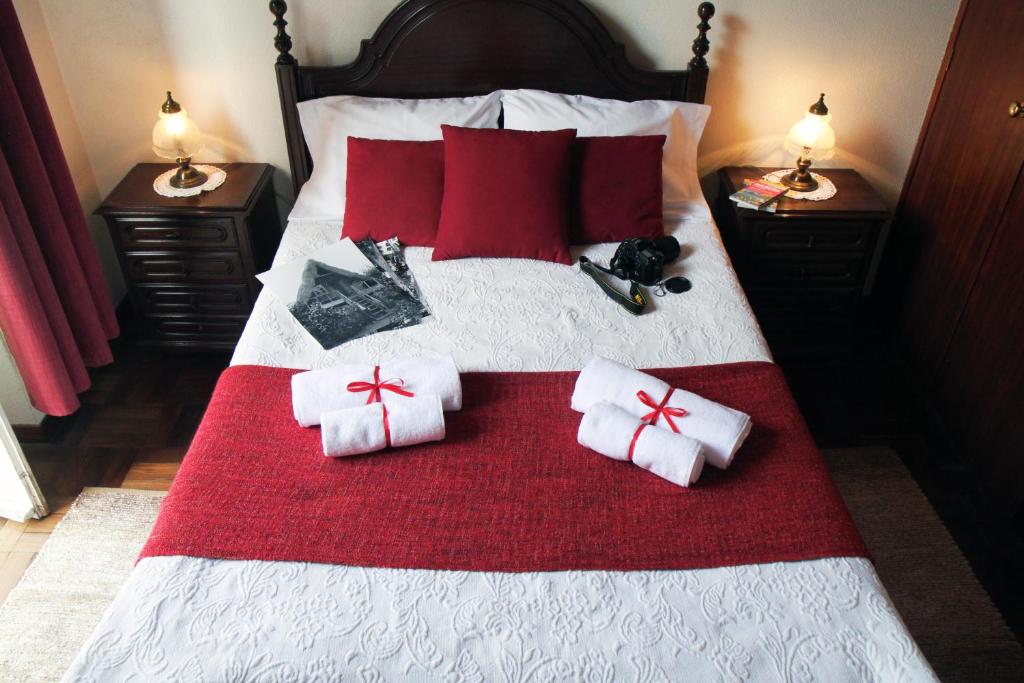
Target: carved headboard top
x=458, y=48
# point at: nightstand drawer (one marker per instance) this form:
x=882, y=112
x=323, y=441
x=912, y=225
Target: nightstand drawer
x=211, y=299
x=804, y=269
x=804, y=235
x=175, y=233
x=823, y=301
x=197, y=329
x=184, y=266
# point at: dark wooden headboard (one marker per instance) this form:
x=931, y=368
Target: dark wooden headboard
x=459, y=48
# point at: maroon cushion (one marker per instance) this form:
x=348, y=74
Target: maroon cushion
x=616, y=191
x=506, y=193
x=394, y=189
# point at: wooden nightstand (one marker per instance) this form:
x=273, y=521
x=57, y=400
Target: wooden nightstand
x=808, y=268
x=190, y=263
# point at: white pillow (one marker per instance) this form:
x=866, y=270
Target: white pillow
x=681, y=122
x=328, y=122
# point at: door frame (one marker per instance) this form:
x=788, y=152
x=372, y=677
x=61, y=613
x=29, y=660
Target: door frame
x=33, y=503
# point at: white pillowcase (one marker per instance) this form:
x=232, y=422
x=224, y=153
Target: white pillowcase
x=328, y=122
x=681, y=122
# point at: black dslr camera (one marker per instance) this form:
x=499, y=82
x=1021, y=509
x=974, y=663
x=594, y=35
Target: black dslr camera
x=642, y=260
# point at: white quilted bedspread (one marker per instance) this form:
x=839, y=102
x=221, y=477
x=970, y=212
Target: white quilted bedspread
x=187, y=619
x=518, y=314
x=193, y=619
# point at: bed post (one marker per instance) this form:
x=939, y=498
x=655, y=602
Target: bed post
x=287, y=87
x=697, y=82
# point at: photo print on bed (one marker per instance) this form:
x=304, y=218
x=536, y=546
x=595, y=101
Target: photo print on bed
x=388, y=258
x=338, y=294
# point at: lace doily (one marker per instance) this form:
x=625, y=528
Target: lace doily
x=215, y=177
x=826, y=188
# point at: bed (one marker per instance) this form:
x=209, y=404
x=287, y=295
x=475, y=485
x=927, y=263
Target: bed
x=182, y=617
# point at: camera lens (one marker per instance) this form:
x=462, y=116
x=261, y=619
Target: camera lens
x=668, y=246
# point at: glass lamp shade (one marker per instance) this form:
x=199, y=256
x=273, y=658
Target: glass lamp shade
x=176, y=136
x=812, y=137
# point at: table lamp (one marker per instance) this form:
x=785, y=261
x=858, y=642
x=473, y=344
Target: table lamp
x=176, y=136
x=810, y=138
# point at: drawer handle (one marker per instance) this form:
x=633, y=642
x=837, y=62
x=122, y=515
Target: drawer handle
x=810, y=241
x=172, y=235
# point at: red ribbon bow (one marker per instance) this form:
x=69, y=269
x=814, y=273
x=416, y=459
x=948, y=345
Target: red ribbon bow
x=375, y=389
x=659, y=409
x=377, y=386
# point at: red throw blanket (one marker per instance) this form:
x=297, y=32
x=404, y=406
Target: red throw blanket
x=508, y=490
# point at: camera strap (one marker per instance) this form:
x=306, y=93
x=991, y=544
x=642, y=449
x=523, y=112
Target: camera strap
x=635, y=303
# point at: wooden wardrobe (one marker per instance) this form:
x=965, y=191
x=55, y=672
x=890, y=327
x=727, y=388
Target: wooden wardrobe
x=960, y=233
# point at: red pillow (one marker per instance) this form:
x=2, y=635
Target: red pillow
x=394, y=189
x=506, y=193
x=616, y=188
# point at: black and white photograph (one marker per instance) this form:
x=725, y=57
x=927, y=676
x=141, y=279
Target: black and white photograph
x=391, y=251
x=388, y=258
x=337, y=294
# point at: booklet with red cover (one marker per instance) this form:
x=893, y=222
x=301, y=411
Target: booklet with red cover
x=759, y=194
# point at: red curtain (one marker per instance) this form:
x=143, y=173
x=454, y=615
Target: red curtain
x=55, y=310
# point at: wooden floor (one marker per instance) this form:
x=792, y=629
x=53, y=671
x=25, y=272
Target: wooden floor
x=19, y=543
x=132, y=431
x=138, y=419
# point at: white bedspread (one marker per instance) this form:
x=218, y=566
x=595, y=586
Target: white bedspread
x=187, y=619
x=192, y=619
x=518, y=314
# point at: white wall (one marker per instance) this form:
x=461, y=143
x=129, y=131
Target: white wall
x=877, y=62
x=13, y=399
x=20, y=497
x=105, y=65
x=66, y=119
x=118, y=57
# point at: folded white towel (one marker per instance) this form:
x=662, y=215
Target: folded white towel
x=722, y=430
x=363, y=429
x=347, y=386
x=611, y=431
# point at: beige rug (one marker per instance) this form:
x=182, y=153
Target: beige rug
x=72, y=580
x=66, y=590
x=945, y=608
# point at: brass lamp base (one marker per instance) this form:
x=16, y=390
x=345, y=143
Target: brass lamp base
x=187, y=176
x=801, y=179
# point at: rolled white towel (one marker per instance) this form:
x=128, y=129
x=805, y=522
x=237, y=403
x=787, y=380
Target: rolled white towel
x=603, y=379
x=721, y=429
x=611, y=431
x=351, y=431
x=347, y=386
